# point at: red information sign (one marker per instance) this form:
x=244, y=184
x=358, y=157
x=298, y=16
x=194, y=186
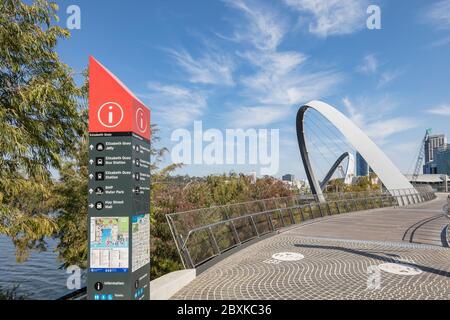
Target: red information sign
x=112, y=106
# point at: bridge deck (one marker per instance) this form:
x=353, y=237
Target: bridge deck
x=339, y=258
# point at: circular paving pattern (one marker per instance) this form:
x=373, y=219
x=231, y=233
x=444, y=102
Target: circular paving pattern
x=331, y=269
x=386, y=254
x=400, y=269
x=288, y=256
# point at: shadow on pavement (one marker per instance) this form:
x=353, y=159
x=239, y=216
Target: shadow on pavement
x=387, y=258
x=416, y=226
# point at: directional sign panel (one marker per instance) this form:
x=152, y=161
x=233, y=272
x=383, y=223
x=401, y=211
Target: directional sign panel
x=119, y=190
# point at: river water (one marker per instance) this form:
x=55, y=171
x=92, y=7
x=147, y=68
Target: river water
x=39, y=277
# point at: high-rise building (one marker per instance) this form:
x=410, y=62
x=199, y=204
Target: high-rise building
x=433, y=143
x=429, y=168
x=288, y=177
x=442, y=160
x=362, y=168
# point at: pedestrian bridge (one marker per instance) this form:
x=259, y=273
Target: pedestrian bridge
x=398, y=252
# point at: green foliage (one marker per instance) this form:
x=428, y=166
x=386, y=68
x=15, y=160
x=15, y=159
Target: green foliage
x=70, y=199
x=70, y=195
x=25, y=221
x=168, y=196
x=11, y=294
x=364, y=183
x=336, y=185
x=39, y=119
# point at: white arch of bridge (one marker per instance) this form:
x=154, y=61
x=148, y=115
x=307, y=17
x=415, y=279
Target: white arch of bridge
x=388, y=173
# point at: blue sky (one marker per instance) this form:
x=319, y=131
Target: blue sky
x=251, y=64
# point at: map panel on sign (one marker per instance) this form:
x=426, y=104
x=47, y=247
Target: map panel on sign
x=141, y=241
x=109, y=244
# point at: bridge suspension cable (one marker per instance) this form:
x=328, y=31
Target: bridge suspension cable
x=335, y=145
x=318, y=149
x=331, y=132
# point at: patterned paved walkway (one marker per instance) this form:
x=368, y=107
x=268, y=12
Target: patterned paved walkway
x=343, y=258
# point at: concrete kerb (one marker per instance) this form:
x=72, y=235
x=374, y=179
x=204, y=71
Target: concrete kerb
x=163, y=288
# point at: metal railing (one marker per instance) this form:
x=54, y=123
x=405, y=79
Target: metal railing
x=203, y=234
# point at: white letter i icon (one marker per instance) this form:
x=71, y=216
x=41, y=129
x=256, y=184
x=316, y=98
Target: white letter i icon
x=110, y=115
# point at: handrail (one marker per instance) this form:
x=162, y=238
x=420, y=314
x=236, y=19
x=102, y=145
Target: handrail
x=301, y=196
x=256, y=214
x=203, y=240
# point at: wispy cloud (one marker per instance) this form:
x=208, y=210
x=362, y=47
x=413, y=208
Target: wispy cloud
x=176, y=106
x=211, y=68
x=443, y=110
x=264, y=28
x=354, y=114
x=382, y=129
x=331, y=17
x=369, y=64
x=388, y=77
x=438, y=14
x=375, y=118
x=280, y=78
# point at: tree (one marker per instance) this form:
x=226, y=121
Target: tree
x=39, y=118
x=70, y=199
x=336, y=185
